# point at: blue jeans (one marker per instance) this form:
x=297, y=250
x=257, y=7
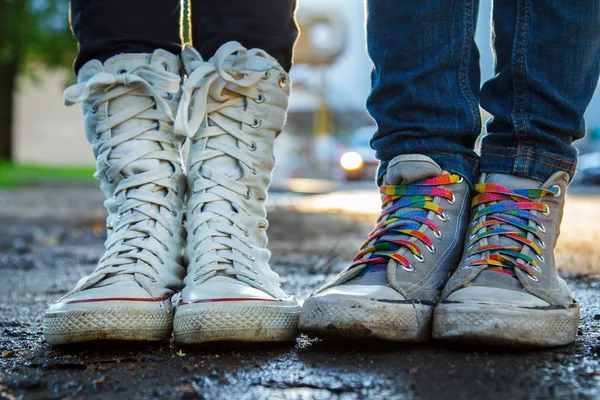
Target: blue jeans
x=426, y=83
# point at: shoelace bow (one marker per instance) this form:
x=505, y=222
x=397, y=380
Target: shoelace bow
x=396, y=198
x=212, y=105
x=497, y=206
x=141, y=211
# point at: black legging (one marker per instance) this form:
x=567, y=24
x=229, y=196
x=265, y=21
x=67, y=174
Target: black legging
x=104, y=28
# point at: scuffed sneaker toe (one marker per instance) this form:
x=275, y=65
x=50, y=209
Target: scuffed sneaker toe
x=108, y=318
x=226, y=310
x=493, y=316
x=366, y=311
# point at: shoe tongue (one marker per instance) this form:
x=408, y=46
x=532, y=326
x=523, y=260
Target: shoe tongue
x=222, y=164
x=513, y=182
x=411, y=168
x=402, y=170
x=494, y=278
x=122, y=103
x=117, y=65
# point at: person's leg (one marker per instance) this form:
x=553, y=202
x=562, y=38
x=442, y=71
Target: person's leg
x=425, y=82
x=425, y=102
x=262, y=24
x=234, y=104
x=548, y=62
x=130, y=90
x=547, y=66
x=104, y=28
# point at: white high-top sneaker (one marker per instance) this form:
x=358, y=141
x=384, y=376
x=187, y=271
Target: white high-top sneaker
x=232, y=108
x=128, y=103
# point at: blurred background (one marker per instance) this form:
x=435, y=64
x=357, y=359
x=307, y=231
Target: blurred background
x=328, y=130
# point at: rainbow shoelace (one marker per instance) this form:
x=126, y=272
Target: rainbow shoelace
x=507, y=212
x=393, y=221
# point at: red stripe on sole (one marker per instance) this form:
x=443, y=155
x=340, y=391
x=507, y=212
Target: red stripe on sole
x=224, y=300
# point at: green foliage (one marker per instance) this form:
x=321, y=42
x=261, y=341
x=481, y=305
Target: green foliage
x=12, y=175
x=36, y=31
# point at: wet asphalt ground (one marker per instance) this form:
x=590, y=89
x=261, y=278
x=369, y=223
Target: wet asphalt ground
x=49, y=239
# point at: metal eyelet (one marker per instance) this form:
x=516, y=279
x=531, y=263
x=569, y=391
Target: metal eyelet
x=460, y=179
x=467, y=267
x=174, y=213
x=546, y=212
x=170, y=232
x=253, y=170
x=542, y=228
x=432, y=249
x=260, y=98
x=443, y=217
x=533, y=278
x=252, y=147
x=257, y=122
x=250, y=257
x=452, y=200
x=419, y=257
x=248, y=194
x=166, y=67
x=169, y=96
x=559, y=190
x=410, y=268
x=542, y=244
x=94, y=109
x=538, y=269
x=122, y=71
x=255, y=272
x=267, y=74
x=541, y=258
x=282, y=80
x=437, y=234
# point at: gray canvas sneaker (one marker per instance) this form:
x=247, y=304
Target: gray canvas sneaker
x=506, y=290
x=128, y=104
x=390, y=290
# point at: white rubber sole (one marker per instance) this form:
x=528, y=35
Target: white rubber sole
x=505, y=325
x=364, y=318
x=133, y=321
x=236, y=321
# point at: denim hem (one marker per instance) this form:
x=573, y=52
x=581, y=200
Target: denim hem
x=461, y=164
x=525, y=161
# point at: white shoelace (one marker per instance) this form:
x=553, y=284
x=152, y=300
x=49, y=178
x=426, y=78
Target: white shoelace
x=136, y=234
x=212, y=105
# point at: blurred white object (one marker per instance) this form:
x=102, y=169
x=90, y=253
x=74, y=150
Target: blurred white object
x=351, y=161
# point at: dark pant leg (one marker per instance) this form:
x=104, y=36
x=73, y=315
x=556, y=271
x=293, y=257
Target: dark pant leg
x=425, y=81
x=104, y=28
x=548, y=62
x=263, y=24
